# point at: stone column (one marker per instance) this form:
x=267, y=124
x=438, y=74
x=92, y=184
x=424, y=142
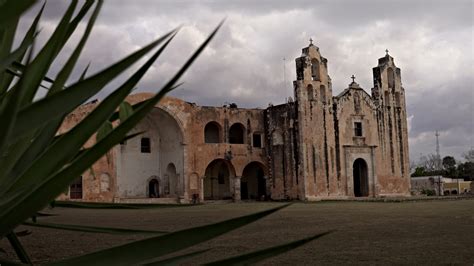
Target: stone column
x=236, y=188
x=201, y=189
x=374, y=172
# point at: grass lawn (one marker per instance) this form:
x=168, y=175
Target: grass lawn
x=420, y=232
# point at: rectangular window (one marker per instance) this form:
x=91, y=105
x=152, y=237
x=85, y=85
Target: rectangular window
x=145, y=145
x=257, y=140
x=358, y=129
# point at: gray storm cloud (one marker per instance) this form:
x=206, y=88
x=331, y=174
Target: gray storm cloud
x=431, y=42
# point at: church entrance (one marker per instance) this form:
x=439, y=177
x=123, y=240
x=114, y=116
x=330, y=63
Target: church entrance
x=217, y=181
x=253, y=183
x=153, y=189
x=361, y=179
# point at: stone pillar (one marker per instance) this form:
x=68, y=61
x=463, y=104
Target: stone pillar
x=236, y=188
x=374, y=172
x=185, y=187
x=201, y=189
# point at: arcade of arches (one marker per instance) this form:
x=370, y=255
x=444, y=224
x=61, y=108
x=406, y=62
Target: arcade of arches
x=220, y=181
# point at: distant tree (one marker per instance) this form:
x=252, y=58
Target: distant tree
x=449, y=162
x=466, y=170
x=429, y=162
x=419, y=171
x=469, y=155
x=449, y=165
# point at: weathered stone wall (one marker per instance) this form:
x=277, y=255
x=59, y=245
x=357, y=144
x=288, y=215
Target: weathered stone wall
x=354, y=105
x=281, y=134
x=317, y=147
x=392, y=154
x=305, y=149
x=99, y=181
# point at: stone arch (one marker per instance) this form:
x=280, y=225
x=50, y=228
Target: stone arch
x=218, y=180
x=212, y=132
x=391, y=78
x=310, y=91
x=166, y=145
x=153, y=187
x=315, y=71
x=178, y=121
x=386, y=97
x=360, y=175
x=322, y=93
x=171, y=180
x=253, y=184
x=237, y=134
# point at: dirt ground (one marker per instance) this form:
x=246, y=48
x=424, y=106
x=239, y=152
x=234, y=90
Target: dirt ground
x=420, y=232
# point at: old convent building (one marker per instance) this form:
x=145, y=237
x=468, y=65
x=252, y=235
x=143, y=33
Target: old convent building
x=315, y=146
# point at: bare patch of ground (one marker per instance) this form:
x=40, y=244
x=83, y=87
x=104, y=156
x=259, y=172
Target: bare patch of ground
x=423, y=232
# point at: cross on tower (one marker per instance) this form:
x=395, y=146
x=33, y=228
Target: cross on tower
x=310, y=41
x=353, y=78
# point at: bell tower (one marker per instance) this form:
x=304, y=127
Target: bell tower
x=312, y=80
x=313, y=95
x=389, y=97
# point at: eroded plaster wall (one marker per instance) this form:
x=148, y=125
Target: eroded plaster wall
x=305, y=148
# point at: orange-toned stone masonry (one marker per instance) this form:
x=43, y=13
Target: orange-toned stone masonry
x=316, y=146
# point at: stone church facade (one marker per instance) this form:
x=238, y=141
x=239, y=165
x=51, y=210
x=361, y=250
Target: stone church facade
x=317, y=146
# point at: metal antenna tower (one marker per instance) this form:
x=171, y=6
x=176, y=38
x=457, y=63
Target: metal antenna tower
x=438, y=157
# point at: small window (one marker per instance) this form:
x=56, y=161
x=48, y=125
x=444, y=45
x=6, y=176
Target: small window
x=310, y=92
x=322, y=93
x=358, y=129
x=257, y=140
x=236, y=134
x=391, y=78
x=211, y=133
x=145, y=145
x=315, y=69
x=75, y=189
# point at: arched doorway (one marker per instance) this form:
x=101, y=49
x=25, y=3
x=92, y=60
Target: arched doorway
x=153, y=189
x=217, y=180
x=253, y=183
x=361, y=179
x=172, y=179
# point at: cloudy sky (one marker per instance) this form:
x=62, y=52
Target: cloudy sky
x=431, y=41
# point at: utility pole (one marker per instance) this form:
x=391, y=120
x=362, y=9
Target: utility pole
x=284, y=73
